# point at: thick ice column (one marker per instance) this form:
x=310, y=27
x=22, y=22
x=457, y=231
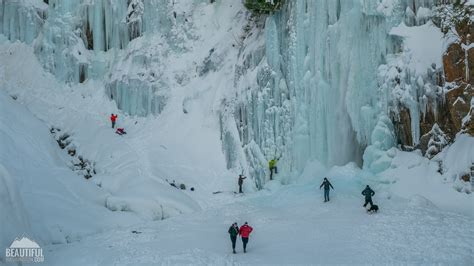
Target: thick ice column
x=106, y=24
x=98, y=26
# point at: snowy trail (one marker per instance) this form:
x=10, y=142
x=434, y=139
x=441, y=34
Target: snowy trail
x=292, y=226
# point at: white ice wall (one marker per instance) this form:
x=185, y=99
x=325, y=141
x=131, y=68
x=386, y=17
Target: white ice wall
x=22, y=19
x=320, y=92
x=307, y=86
x=316, y=93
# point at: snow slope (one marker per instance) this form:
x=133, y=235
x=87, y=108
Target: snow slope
x=83, y=112
x=411, y=174
x=420, y=54
x=39, y=195
x=132, y=170
x=175, y=145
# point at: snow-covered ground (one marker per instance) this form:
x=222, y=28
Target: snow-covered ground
x=43, y=198
x=291, y=226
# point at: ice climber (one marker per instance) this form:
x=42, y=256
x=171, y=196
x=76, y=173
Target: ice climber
x=233, y=232
x=368, y=193
x=241, y=182
x=272, y=166
x=327, y=186
x=113, y=118
x=244, y=232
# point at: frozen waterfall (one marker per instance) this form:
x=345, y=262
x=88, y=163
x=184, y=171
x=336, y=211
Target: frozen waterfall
x=317, y=94
x=306, y=85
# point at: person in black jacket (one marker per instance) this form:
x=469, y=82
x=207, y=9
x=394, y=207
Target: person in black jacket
x=241, y=182
x=368, y=193
x=327, y=186
x=233, y=232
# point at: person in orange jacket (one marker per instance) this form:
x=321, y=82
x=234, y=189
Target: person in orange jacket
x=244, y=232
x=113, y=118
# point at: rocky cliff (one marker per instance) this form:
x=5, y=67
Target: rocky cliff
x=449, y=111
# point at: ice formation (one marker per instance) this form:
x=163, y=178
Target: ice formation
x=79, y=40
x=319, y=91
x=314, y=84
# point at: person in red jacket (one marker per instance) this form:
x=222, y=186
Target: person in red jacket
x=113, y=118
x=244, y=232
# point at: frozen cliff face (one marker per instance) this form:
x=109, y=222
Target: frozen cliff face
x=23, y=19
x=431, y=79
x=316, y=95
x=325, y=80
x=79, y=40
x=330, y=80
x=137, y=81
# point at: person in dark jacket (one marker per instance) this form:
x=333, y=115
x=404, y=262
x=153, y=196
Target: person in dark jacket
x=241, y=182
x=327, y=186
x=368, y=193
x=233, y=232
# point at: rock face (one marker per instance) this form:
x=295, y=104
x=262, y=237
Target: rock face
x=459, y=104
x=458, y=63
x=453, y=62
x=469, y=123
x=453, y=111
